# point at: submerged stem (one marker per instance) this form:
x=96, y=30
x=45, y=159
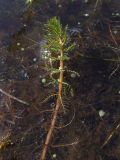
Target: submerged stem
x=57, y=107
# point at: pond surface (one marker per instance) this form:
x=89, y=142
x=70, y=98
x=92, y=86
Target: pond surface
x=94, y=26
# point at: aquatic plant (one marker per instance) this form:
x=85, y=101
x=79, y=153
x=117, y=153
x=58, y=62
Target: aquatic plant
x=56, y=52
x=29, y=1
x=5, y=141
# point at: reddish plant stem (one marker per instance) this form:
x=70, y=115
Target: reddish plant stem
x=56, y=110
x=113, y=38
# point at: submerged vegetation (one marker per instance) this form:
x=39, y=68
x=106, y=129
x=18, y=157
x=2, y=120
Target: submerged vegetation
x=5, y=141
x=48, y=49
x=29, y=1
x=57, y=48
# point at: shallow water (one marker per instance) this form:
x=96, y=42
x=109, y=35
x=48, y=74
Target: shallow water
x=94, y=27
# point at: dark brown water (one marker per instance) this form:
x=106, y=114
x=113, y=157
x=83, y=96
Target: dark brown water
x=93, y=114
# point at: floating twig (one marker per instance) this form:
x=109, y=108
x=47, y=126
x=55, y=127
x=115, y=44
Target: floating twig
x=66, y=145
x=13, y=97
x=67, y=123
x=112, y=36
x=110, y=135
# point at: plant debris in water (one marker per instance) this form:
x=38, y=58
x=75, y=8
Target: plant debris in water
x=90, y=127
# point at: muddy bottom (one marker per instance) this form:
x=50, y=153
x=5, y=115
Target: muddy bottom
x=89, y=126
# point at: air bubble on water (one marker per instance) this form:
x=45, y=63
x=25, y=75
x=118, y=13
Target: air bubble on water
x=43, y=80
x=52, y=104
x=86, y=1
x=34, y=59
x=26, y=75
x=22, y=49
x=117, y=14
x=25, y=25
x=18, y=44
x=73, y=75
x=54, y=155
x=115, y=32
x=86, y=15
x=101, y=113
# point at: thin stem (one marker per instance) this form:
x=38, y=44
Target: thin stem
x=110, y=135
x=66, y=145
x=57, y=107
x=113, y=38
x=13, y=97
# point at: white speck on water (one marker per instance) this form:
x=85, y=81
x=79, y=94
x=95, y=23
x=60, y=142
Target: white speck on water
x=18, y=44
x=45, y=51
x=119, y=92
x=101, y=113
x=43, y=80
x=26, y=75
x=2, y=62
x=73, y=75
x=78, y=23
x=46, y=54
x=40, y=76
x=34, y=59
x=22, y=49
x=115, y=32
x=13, y=91
x=25, y=25
x=52, y=104
x=54, y=155
x=86, y=15
x=1, y=80
x=117, y=14
x=83, y=122
x=59, y=6
x=86, y=1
